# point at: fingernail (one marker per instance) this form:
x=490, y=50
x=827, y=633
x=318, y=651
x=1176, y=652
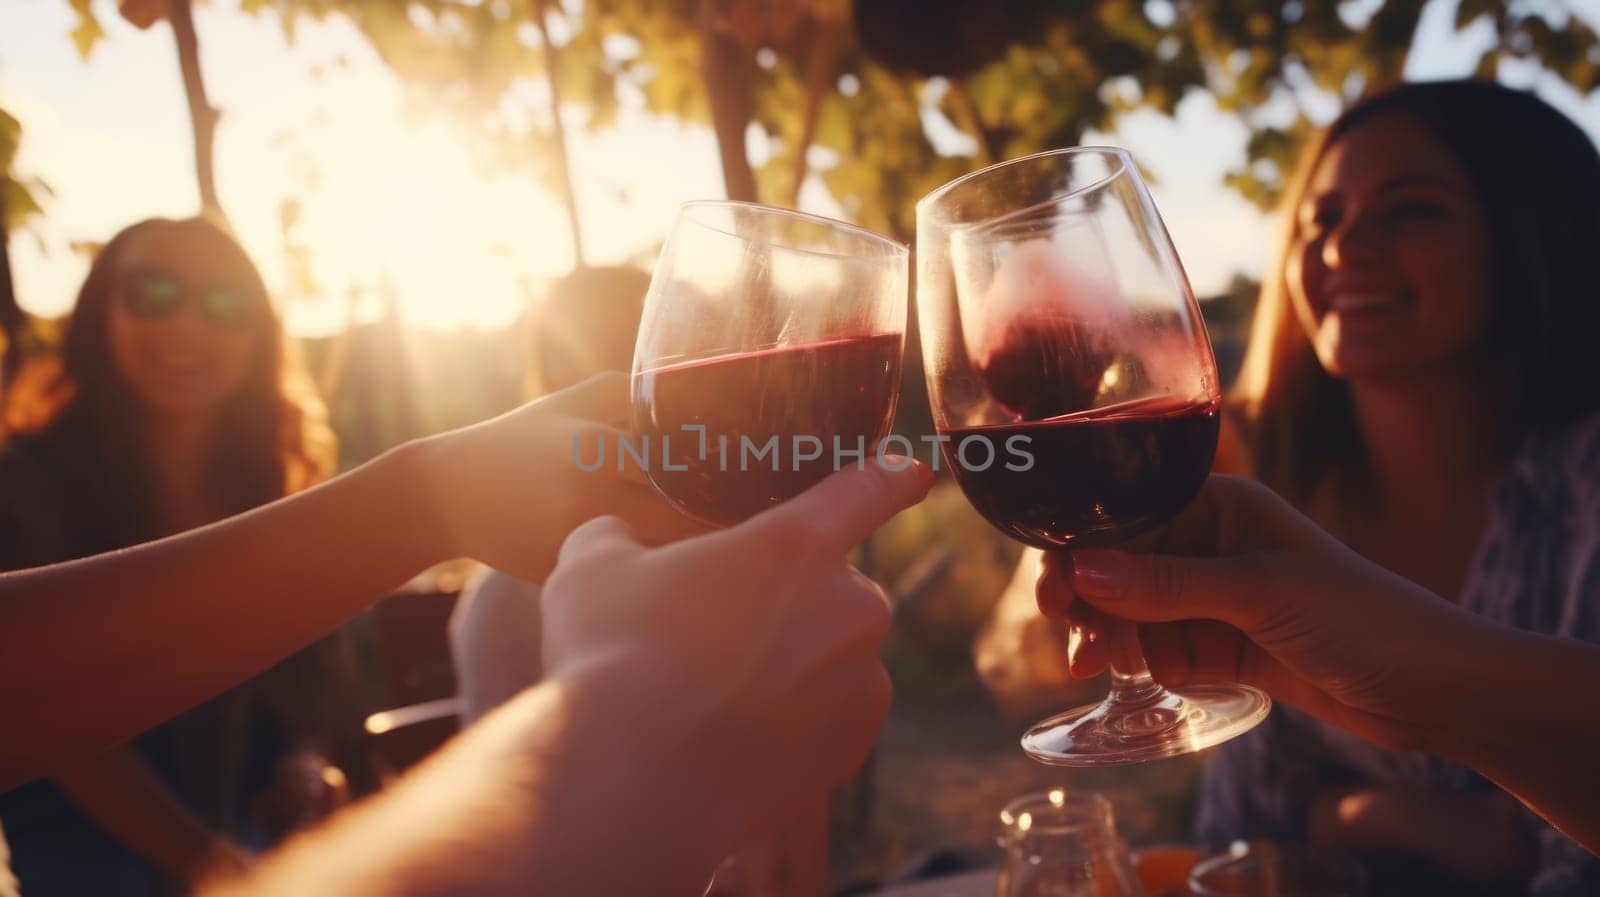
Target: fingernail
x=1097, y=573
x=901, y=462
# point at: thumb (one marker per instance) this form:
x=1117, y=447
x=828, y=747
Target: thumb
x=601, y=534
x=845, y=508
x=1160, y=588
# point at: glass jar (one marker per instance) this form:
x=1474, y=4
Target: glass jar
x=1060, y=845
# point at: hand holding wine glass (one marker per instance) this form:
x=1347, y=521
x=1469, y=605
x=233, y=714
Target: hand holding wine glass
x=1075, y=389
x=1241, y=587
x=751, y=648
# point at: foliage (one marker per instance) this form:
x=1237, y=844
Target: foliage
x=1056, y=70
x=19, y=197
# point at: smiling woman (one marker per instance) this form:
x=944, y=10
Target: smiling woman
x=178, y=403
x=1421, y=382
x=1390, y=267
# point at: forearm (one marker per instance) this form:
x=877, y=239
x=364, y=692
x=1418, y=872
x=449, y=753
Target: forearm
x=540, y=797
x=121, y=795
x=1481, y=836
x=96, y=650
x=1531, y=714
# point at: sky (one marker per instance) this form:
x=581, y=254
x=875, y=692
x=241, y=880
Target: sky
x=393, y=198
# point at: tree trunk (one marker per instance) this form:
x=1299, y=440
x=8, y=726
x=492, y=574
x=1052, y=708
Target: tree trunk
x=201, y=114
x=552, y=66
x=12, y=318
x=729, y=71
x=820, y=56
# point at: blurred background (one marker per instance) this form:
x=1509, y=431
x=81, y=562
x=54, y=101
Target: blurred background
x=411, y=177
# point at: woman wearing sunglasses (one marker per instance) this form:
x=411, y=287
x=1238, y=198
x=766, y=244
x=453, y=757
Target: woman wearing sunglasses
x=176, y=405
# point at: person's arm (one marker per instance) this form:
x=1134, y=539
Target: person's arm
x=96, y=650
x=548, y=794
x=651, y=750
x=1530, y=722
x=1481, y=836
x=126, y=800
x=1254, y=592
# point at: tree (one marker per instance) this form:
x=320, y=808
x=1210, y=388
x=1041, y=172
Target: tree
x=569, y=192
x=1013, y=78
x=17, y=205
x=862, y=81
x=203, y=116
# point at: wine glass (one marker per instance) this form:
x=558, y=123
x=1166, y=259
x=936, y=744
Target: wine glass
x=1076, y=398
x=768, y=356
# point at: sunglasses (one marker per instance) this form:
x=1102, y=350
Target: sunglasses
x=154, y=296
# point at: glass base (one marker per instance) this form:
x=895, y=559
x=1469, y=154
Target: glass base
x=1148, y=723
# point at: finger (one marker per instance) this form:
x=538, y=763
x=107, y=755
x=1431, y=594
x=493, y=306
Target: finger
x=1090, y=652
x=603, y=398
x=1166, y=653
x=1202, y=651
x=1164, y=587
x=1053, y=590
x=870, y=586
x=608, y=533
x=1086, y=653
x=1218, y=651
x=837, y=513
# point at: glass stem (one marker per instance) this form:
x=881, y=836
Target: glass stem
x=1130, y=675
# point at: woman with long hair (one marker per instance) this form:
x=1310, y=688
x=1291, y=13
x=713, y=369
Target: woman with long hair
x=1420, y=381
x=177, y=403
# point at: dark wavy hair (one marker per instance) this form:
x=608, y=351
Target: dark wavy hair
x=1537, y=176
x=88, y=430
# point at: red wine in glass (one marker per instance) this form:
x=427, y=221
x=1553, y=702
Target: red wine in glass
x=1093, y=478
x=771, y=419
x=1044, y=366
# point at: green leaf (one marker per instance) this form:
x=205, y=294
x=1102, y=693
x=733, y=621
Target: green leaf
x=87, y=32
x=1041, y=89
x=10, y=140
x=20, y=204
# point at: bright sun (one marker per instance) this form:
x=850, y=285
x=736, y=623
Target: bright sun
x=408, y=211
x=394, y=197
